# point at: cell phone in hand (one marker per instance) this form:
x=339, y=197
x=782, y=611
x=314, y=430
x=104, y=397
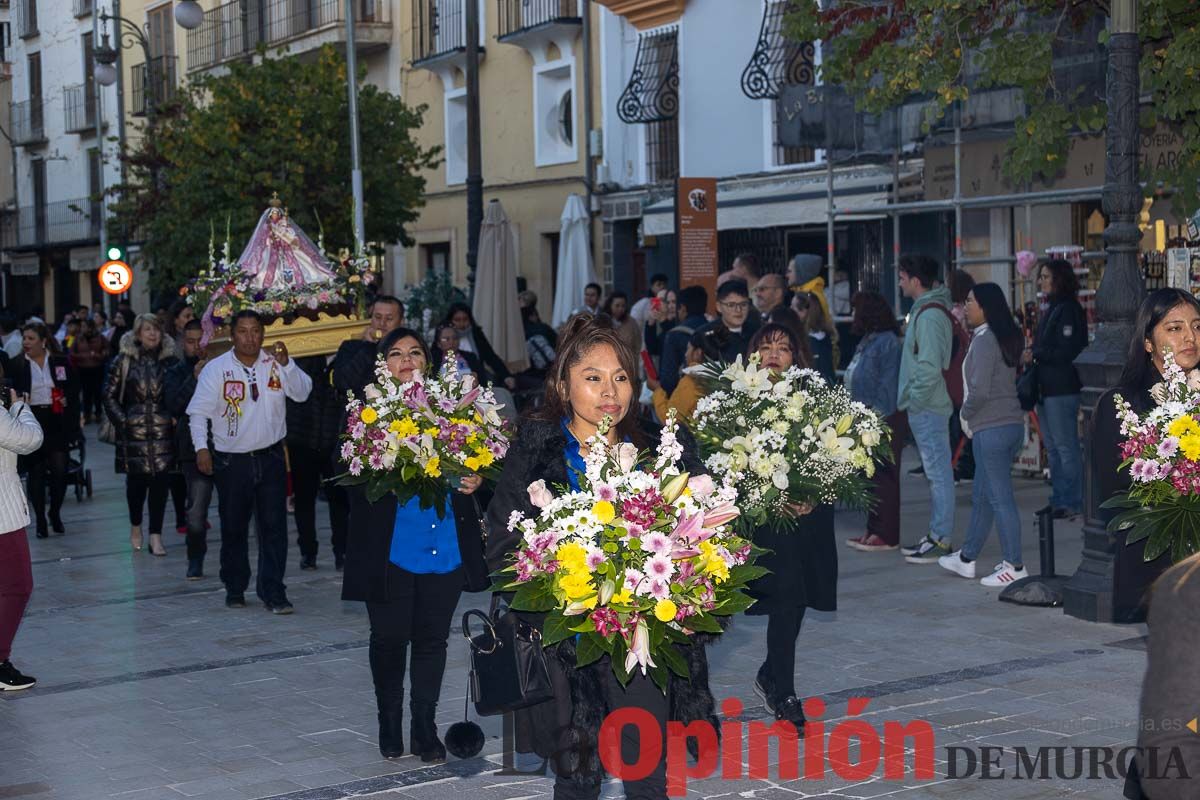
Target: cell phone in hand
x=656, y=303
x=6, y=387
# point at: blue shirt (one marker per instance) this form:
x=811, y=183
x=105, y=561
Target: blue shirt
x=422, y=543
x=575, y=465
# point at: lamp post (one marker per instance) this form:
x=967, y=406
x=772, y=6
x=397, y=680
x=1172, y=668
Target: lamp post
x=106, y=55
x=1088, y=594
x=474, y=146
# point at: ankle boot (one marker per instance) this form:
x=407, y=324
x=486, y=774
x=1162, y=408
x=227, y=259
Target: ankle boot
x=423, y=733
x=391, y=733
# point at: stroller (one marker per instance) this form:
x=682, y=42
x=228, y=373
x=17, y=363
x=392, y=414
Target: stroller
x=78, y=475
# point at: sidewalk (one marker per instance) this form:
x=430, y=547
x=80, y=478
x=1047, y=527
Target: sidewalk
x=149, y=689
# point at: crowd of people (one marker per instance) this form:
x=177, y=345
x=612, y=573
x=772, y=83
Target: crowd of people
x=186, y=425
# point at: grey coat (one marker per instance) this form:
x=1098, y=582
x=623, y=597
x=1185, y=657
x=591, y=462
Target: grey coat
x=989, y=386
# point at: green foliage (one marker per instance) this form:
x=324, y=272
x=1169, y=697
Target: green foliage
x=435, y=294
x=281, y=125
x=1170, y=522
x=885, y=53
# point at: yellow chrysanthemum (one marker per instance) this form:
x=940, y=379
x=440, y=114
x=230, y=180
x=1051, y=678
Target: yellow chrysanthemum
x=572, y=557
x=432, y=432
x=576, y=586
x=622, y=598
x=1190, y=445
x=665, y=610
x=485, y=456
x=404, y=427
x=1182, y=426
x=368, y=415
x=433, y=467
x=471, y=463
x=604, y=511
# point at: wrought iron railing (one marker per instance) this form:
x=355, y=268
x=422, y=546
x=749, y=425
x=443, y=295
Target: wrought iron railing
x=84, y=7
x=28, y=122
x=79, y=107
x=156, y=83
x=234, y=29
x=27, y=17
x=54, y=223
x=522, y=15
x=439, y=27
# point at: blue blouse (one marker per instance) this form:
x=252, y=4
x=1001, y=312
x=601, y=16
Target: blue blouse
x=575, y=465
x=422, y=543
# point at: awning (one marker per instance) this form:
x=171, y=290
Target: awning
x=85, y=259
x=788, y=202
x=25, y=265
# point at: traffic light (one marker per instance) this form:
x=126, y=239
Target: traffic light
x=116, y=253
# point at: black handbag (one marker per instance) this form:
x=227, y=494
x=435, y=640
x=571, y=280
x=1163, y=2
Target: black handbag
x=508, y=662
x=1028, y=391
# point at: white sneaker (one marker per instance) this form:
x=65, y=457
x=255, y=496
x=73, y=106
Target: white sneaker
x=1004, y=574
x=955, y=564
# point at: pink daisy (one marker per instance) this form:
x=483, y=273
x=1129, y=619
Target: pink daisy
x=660, y=567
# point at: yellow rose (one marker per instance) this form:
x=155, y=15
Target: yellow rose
x=368, y=415
x=604, y=511
x=664, y=610
x=433, y=467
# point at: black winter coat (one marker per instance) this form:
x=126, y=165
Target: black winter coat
x=317, y=422
x=537, y=453
x=803, y=563
x=145, y=426
x=180, y=385
x=1061, y=336
x=66, y=380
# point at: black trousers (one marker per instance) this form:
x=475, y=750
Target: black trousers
x=200, y=489
x=783, y=629
x=309, y=468
x=91, y=382
x=253, y=484
x=137, y=487
x=416, y=617
x=641, y=693
x=50, y=458
x=179, y=499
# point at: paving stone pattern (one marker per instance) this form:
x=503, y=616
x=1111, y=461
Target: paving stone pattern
x=150, y=689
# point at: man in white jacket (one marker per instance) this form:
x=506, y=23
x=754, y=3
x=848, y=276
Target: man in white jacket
x=20, y=435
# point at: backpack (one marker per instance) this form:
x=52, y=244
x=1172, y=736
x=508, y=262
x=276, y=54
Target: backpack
x=960, y=340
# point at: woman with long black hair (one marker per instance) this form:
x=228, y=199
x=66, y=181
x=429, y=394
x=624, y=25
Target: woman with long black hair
x=1168, y=322
x=991, y=416
x=409, y=567
x=471, y=339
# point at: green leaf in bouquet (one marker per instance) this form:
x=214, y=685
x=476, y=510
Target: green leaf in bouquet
x=618, y=653
x=658, y=674
x=734, y=604
x=703, y=623
x=677, y=636
x=670, y=656
x=590, y=648
x=556, y=628
x=587, y=626
x=742, y=574
x=534, y=596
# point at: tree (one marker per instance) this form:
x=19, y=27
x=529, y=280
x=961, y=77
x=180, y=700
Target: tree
x=281, y=125
x=886, y=51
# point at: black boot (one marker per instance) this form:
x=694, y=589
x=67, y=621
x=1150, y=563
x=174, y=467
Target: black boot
x=391, y=726
x=423, y=733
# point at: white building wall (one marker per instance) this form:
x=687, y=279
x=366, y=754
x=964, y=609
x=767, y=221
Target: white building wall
x=623, y=162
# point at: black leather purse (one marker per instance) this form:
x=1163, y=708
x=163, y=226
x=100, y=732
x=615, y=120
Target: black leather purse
x=1028, y=393
x=508, y=662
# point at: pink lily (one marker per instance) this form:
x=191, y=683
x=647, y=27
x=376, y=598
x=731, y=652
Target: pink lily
x=720, y=515
x=689, y=528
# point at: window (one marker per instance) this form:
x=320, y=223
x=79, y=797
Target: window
x=662, y=150
x=783, y=154
x=456, y=136
x=435, y=256
x=160, y=30
x=36, y=118
x=554, y=114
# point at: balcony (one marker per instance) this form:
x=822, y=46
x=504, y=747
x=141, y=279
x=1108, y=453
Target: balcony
x=61, y=223
x=25, y=12
x=234, y=30
x=439, y=31
x=535, y=24
x=28, y=122
x=84, y=7
x=157, y=84
x=79, y=107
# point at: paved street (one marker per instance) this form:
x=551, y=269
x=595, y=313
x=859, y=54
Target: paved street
x=149, y=689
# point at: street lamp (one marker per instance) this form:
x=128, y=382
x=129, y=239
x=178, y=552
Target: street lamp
x=106, y=56
x=189, y=15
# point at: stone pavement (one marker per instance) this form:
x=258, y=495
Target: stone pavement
x=149, y=689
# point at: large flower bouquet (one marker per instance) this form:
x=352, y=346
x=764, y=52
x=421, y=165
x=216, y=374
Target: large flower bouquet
x=634, y=562
x=413, y=438
x=787, y=440
x=1162, y=453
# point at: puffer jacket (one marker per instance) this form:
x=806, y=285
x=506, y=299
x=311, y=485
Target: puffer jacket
x=145, y=426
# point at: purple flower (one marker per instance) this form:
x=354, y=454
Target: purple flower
x=356, y=466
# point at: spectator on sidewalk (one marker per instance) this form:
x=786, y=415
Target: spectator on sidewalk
x=314, y=426
x=927, y=351
x=662, y=317
x=770, y=298
x=445, y=341
x=354, y=364
x=992, y=418
x=964, y=464
x=617, y=307
x=804, y=275
x=135, y=401
x=89, y=354
x=733, y=316
x=472, y=339
x=180, y=386
x=703, y=346
x=641, y=309
x=540, y=341
x=821, y=334
x=1062, y=334
x=10, y=335
x=591, y=300
x=693, y=300
x=20, y=435
x=872, y=379
x=242, y=395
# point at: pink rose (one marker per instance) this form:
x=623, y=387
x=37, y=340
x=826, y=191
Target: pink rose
x=701, y=485
x=627, y=454
x=539, y=495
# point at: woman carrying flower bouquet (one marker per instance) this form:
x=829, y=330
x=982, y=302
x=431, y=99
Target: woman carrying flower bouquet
x=1168, y=321
x=593, y=377
x=408, y=567
x=803, y=561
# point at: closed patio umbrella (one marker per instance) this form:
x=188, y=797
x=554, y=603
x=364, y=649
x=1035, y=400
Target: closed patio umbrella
x=495, y=306
x=575, y=270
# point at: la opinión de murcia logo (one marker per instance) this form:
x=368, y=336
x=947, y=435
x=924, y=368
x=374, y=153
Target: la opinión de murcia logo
x=852, y=749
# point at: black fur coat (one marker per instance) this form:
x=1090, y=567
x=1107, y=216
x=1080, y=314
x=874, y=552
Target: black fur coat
x=568, y=726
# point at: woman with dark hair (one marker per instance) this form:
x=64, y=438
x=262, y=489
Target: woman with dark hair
x=180, y=314
x=663, y=316
x=89, y=353
x=409, y=567
x=802, y=561
x=1168, y=321
x=1062, y=334
x=964, y=464
x=594, y=376
x=446, y=340
x=135, y=400
x=45, y=376
x=471, y=339
x=617, y=307
x=992, y=418
x=872, y=378
x=703, y=346
x=822, y=335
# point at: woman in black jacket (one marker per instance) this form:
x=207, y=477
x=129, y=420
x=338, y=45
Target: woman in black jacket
x=1061, y=336
x=803, y=562
x=594, y=375
x=471, y=339
x=411, y=583
x=45, y=376
x=1167, y=319
x=135, y=400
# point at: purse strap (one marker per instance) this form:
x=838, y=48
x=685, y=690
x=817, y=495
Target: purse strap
x=487, y=621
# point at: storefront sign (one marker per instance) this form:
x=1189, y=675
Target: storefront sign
x=696, y=222
x=1179, y=264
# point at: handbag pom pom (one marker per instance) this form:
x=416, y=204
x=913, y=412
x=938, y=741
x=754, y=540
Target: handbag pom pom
x=464, y=739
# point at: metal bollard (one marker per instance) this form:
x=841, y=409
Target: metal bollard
x=1045, y=519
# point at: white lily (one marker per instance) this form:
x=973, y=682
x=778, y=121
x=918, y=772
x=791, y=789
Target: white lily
x=639, y=649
